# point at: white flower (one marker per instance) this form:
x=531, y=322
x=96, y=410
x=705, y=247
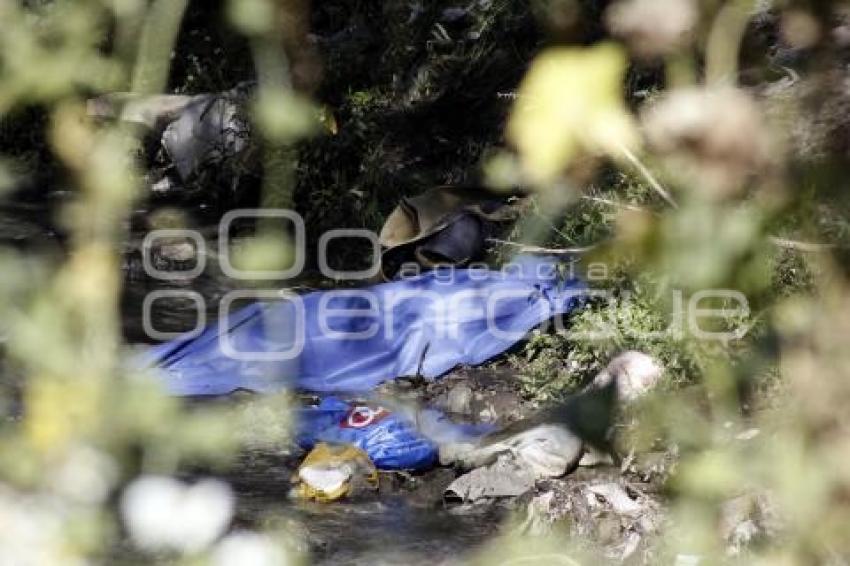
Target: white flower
x=248, y=549
x=33, y=530
x=714, y=138
x=85, y=475
x=653, y=27
x=162, y=513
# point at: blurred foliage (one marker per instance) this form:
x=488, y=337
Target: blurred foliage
x=702, y=183
x=747, y=211
x=81, y=422
x=570, y=106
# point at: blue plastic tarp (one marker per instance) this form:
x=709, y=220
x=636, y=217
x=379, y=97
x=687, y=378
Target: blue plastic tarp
x=394, y=438
x=353, y=339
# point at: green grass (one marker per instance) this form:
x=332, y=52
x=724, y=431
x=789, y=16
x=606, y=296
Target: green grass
x=639, y=312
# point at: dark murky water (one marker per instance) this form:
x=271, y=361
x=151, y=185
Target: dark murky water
x=385, y=529
x=391, y=528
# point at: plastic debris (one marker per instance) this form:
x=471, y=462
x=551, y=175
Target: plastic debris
x=406, y=439
x=547, y=450
x=508, y=463
x=200, y=134
x=331, y=472
x=352, y=340
x=210, y=129
x=503, y=478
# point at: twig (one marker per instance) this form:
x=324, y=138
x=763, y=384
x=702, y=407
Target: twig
x=540, y=250
x=813, y=247
x=650, y=178
x=613, y=203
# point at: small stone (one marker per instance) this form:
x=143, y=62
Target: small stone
x=178, y=251
x=163, y=186
x=459, y=399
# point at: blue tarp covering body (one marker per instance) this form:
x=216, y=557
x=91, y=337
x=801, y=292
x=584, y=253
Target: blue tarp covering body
x=352, y=340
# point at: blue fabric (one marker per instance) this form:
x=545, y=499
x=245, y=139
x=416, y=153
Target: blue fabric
x=355, y=339
x=394, y=440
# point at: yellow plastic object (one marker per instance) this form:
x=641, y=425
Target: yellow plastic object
x=332, y=471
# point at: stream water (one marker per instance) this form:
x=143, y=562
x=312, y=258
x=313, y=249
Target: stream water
x=386, y=529
x=390, y=528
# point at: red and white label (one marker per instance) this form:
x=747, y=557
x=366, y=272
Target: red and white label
x=362, y=416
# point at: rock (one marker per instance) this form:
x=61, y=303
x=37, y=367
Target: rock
x=506, y=477
x=499, y=406
x=455, y=452
x=459, y=399
x=423, y=489
x=656, y=466
x=179, y=251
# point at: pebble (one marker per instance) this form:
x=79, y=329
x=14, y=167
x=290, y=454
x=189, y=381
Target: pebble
x=459, y=399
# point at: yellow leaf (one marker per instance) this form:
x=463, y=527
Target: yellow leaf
x=571, y=104
x=59, y=411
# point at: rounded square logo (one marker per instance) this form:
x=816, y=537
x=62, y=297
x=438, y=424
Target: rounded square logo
x=174, y=238
x=360, y=233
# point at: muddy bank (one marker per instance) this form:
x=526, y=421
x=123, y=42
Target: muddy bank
x=612, y=506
